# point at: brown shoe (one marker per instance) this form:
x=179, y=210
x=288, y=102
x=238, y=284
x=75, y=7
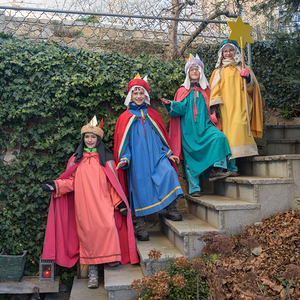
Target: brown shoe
x=234, y=174
x=217, y=173
x=196, y=194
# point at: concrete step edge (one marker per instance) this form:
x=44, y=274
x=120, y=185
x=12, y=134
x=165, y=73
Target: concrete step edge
x=81, y=291
x=121, y=277
x=283, y=141
x=271, y=158
x=286, y=126
x=254, y=180
x=158, y=241
x=190, y=225
x=220, y=203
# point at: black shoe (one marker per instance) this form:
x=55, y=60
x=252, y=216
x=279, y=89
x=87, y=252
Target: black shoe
x=172, y=212
x=140, y=229
x=196, y=194
x=217, y=173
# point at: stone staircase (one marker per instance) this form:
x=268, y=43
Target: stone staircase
x=283, y=139
x=267, y=185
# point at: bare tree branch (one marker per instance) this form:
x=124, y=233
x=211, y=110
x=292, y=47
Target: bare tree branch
x=199, y=30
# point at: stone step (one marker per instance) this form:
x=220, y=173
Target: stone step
x=184, y=234
x=273, y=194
x=158, y=241
x=58, y=296
x=283, y=146
x=283, y=131
x=117, y=281
x=224, y=213
x=27, y=285
x=267, y=166
x=80, y=290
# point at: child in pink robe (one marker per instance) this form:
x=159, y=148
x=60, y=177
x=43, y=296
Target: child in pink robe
x=95, y=202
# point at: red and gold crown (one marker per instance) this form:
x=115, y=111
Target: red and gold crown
x=140, y=82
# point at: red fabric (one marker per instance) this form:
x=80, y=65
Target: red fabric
x=119, y=133
x=175, y=133
x=61, y=240
x=139, y=82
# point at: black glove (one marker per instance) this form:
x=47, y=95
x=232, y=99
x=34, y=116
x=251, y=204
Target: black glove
x=215, y=109
x=48, y=186
x=123, y=209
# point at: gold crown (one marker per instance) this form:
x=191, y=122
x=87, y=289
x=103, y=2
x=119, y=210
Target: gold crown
x=93, y=128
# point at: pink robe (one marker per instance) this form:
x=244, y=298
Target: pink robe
x=101, y=234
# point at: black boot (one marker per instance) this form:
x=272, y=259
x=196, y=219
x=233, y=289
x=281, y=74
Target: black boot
x=140, y=229
x=217, y=173
x=172, y=212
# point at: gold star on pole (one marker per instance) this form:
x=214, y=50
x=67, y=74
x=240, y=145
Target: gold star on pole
x=240, y=32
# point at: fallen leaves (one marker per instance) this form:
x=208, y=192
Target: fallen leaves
x=263, y=256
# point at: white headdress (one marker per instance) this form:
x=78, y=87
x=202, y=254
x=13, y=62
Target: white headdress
x=195, y=61
x=236, y=55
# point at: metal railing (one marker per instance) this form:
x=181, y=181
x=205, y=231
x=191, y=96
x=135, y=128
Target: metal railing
x=102, y=32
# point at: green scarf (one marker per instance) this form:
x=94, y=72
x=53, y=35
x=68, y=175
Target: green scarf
x=89, y=150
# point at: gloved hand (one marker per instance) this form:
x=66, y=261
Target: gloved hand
x=48, y=186
x=214, y=109
x=245, y=74
x=123, y=209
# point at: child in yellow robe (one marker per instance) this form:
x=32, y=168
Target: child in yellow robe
x=228, y=101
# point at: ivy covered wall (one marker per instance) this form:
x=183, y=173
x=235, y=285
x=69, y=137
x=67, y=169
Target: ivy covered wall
x=48, y=92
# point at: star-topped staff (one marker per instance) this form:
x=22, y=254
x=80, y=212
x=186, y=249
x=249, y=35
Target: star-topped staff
x=240, y=32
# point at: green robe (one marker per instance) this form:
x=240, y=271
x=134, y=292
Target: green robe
x=202, y=143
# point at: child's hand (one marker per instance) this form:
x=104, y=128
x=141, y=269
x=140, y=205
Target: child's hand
x=48, y=186
x=165, y=101
x=174, y=158
x=244, y=73
x=121, y=164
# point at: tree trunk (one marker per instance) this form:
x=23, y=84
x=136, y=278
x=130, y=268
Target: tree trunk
x=176, y=10
x=178, y=53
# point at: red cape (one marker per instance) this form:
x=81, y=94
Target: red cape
x=175, y=133
x=121, y=131
x=61, y=241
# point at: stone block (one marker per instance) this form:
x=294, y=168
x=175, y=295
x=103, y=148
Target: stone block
x=158, y=241
x=291, y=132
x=124, y=294
x=79, y=23
x=44, y=21
x=194, y=246
x=282, y=148
x=87, y=31
x=19, y=19
x=233, y=219
x=68, y=22
x=296, y=176
x=81, y=291
x=275, y=198
x=117, y=281
x=47, y=33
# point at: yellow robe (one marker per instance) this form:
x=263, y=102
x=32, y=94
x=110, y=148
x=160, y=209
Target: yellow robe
x=228, y=92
